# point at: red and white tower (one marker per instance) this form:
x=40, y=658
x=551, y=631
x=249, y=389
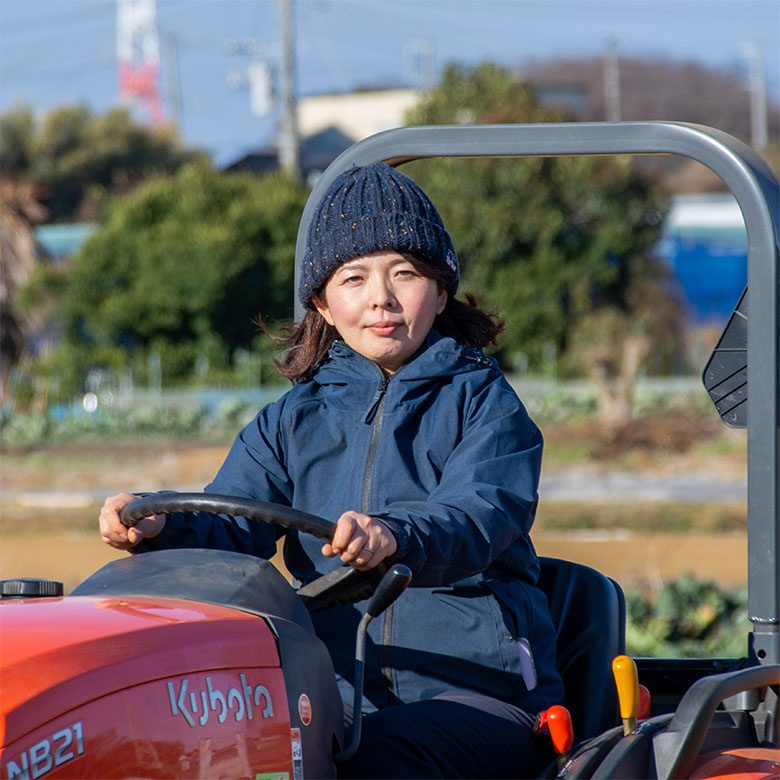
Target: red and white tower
x=138, y=58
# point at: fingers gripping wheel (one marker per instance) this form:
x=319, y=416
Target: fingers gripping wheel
x=341, y=586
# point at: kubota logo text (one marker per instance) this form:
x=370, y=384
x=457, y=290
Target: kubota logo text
x=198, y=705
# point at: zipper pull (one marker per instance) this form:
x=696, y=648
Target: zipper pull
x=527, y=665
x=376, y=403
x=478, y=357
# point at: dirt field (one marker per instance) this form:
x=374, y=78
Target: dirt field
x=50, y=500
x=633, y=560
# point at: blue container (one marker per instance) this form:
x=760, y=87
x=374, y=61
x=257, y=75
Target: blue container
x=705, y=244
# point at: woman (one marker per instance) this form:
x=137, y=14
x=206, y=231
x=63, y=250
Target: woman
x=401, y=430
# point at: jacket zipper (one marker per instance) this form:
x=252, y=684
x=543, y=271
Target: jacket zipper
x=374, y=417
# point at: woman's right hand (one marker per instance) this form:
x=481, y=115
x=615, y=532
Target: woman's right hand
x=117, y=535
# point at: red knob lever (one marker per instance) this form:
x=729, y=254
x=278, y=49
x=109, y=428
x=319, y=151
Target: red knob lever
x=561, y=731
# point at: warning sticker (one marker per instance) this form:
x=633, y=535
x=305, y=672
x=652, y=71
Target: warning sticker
x=297, y=753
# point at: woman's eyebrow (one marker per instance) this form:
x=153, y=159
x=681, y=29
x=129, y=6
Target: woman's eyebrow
x=352, y=266
x=357, y=265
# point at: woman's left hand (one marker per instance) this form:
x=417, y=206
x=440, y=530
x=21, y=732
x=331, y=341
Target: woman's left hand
x=361, y=541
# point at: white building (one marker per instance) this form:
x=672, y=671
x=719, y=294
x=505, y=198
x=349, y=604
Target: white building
x=356, y=114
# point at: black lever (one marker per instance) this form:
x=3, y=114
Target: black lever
x=388, y=590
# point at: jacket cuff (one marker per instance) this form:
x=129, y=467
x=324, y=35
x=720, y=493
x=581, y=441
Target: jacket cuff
x=406, y=551
x=168, y=538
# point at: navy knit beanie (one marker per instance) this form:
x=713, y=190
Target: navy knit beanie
x=371, y=208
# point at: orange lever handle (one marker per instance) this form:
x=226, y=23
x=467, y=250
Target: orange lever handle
x=561, y=731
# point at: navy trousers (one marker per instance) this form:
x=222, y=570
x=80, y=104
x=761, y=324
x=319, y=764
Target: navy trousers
x=455, y=735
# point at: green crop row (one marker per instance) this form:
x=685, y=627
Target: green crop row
x=561, y=405
x=149, y=422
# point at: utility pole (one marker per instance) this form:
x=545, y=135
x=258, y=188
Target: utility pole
x=757, y=88
x=420, y=55
x=611, y=81
x=289, y=159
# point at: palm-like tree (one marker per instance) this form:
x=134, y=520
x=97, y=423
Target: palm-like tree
x=19, y=211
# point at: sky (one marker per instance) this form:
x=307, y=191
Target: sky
x=63, y=52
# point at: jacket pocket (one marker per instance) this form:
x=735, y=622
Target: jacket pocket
x=513, y=622
x=524, y=608
x=451, y=638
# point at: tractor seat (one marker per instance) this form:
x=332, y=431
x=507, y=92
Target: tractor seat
x=589, y=613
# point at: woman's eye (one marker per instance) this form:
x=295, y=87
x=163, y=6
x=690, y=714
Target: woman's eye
x=405, y=273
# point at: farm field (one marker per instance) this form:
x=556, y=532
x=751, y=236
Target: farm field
x=613, y=511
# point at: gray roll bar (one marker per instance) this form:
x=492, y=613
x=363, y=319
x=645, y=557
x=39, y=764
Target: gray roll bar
x=756, y=190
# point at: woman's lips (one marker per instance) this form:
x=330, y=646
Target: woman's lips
x=384, y=328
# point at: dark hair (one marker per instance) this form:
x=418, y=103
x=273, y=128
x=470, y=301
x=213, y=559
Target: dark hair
x=463, y=321
x=309, y=340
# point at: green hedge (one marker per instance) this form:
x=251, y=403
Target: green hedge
x=687, y=618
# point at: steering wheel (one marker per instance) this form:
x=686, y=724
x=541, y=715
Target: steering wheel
x=343, y=585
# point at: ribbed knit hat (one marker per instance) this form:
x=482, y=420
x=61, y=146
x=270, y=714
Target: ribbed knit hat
x=367, y=209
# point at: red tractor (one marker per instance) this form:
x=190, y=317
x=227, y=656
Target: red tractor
x=201, y=664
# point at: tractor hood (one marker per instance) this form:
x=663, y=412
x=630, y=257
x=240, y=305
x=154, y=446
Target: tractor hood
x=59, y=653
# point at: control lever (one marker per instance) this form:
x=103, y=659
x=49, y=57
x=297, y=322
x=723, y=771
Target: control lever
x=556, y=723
x=645, y=703
x=627, y=682
x=389, y=589
x=561, y=732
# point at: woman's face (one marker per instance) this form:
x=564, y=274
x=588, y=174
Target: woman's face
x=381, y=306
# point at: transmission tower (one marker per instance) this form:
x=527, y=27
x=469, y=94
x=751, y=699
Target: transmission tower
x=138, y=58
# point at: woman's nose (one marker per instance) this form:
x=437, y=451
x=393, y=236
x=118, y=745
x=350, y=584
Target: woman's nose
x=382, y=295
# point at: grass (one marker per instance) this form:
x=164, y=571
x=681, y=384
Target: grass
x=21, y=520
x=666, y=517
x=682, y=435
x=730, y=443
x=552, y=517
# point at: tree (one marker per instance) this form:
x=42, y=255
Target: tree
x=61, y=168
x=551, y=243
x=179, y=268
x=74, y=157
x=19, y=211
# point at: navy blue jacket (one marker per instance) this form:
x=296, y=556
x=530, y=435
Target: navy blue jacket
x=446, y=452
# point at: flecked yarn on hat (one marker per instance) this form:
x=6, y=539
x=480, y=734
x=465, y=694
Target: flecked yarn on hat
x=367, y=209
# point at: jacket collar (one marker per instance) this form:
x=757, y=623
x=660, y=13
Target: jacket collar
x=439, y=357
